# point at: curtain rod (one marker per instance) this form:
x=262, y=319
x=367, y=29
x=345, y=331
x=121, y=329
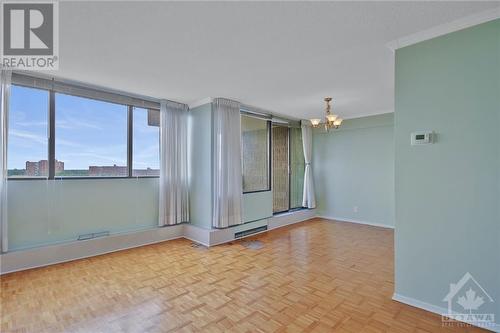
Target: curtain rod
x=83, y=85
x=266, y=113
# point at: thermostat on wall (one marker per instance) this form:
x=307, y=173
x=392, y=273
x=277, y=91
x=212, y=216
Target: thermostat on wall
x=422, y=138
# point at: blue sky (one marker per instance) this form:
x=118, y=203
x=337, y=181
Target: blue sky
x=88, y=132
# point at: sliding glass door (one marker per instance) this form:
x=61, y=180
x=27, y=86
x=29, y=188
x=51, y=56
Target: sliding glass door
x=287, y=168
x=281, y=180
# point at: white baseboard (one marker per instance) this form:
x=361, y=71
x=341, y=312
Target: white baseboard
x=212, y=237
x=197, y=234
x=285, y=219
x=58, y=253
x=433, y=308
x=419, y=304
x=343, y=219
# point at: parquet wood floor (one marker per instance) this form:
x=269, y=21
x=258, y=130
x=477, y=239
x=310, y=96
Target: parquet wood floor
x=316, y=276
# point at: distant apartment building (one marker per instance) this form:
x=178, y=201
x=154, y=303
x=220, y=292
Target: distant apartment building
x=120, y=171
x=146, y=172
x=108, y=171
x=41, y=168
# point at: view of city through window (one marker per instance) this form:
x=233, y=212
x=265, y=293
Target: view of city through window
x=255, y=154
x=90, y=137
x=146, y=146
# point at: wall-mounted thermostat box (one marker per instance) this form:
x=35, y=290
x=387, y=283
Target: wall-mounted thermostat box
x=422, y=138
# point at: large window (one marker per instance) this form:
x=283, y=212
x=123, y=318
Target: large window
x=255, y=153
x=146, y=148
x=58, y=130
x=28, y=133
x=91, y=138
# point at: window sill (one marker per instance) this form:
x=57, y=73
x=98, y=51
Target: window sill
x=259, y=191
x=78, y=178
x=291, y=211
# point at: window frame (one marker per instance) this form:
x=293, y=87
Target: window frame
x=130, y=150
x=289, y=160
x=290, y=171
x=48, y=126
x=52, y=137
x=51, y=87
x=269, y=156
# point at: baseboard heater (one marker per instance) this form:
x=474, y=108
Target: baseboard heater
x=93, y=235
x=250, y=231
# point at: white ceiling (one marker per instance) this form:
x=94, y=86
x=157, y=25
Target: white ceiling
x=280, y=56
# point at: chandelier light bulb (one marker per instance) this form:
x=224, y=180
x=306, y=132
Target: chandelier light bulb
x=337, y=122
x=315, y=122
x=331, y=117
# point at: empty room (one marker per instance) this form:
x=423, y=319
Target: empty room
x=281, y=166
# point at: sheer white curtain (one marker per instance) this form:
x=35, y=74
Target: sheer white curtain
x=226, y=164
x=309, y=198
x=174, y=197
x=5, y=76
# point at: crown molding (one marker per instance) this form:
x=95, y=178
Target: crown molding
x=368, y=114
x=446, y=28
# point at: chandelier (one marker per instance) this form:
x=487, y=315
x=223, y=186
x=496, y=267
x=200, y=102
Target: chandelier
x=331, y=120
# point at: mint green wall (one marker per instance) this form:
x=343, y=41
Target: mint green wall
x=256, y=206
x=44, y=212
x=448, y=193
x=354, y=167
x=200, y=178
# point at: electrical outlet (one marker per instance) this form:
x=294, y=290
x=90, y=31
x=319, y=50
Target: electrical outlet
x=355, y=209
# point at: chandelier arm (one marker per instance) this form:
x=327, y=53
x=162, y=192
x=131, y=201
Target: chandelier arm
x=331, y=120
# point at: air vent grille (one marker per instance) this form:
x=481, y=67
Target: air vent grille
x=250, y=231
x=93, y=235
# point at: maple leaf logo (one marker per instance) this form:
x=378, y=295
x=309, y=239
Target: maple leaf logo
x=470, y=301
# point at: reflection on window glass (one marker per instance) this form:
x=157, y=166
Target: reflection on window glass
x=297, y=166
x=28, y=139
x=146, y=137
x=91, y=138
x=281, y=185
x=255, y=152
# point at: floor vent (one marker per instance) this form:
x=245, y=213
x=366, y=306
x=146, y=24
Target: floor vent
x=253, y=244
x=250, y=231
x=93, y=235
x=198, y=246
